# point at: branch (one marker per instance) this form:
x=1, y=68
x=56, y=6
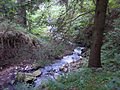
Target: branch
x=76, y=18
x=79, y=16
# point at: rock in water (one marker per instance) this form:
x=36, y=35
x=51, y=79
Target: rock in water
x=37, y=73
x=65, y=70
x=28, y=74
x=61, y=68
x=29, y=79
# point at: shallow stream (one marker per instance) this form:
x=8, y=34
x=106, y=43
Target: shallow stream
x=53, y=70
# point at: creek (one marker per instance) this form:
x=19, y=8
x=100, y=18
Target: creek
x=53, y=70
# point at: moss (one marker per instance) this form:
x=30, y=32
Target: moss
x=19, y=77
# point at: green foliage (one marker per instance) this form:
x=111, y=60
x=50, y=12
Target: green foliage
x=114, y=4
x=45, y=16
x=7, y=25
x=114, y=83
x=19, y=77
x=84, y=79
x=110, y=52
x=48, y=53
x=106, y=78
x=23, y=86
x=69, y=23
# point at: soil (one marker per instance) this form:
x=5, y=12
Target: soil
x=15, y=54
x=8, y=74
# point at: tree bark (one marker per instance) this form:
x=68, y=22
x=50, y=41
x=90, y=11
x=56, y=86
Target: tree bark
x=99, y=23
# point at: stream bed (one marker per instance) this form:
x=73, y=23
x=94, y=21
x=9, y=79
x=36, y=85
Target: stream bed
x=53, y=70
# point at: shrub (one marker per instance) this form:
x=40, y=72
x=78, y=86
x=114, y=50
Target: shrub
x=110, y=50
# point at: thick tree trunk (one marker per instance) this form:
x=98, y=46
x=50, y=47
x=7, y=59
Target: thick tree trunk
x=22, y=14
x=99, y=23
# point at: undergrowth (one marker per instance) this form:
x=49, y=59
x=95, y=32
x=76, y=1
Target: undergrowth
x=17, y=44
x=105, y=78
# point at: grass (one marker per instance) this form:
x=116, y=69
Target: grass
x=105, y=78
x=86, y=79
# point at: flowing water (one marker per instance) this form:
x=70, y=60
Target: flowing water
x=51, y=71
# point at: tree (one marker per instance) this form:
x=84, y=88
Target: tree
x=21, y=13
x=99, y=24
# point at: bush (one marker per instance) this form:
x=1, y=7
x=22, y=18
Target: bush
x=110, y=50
x=12, y=40
x=49, y=52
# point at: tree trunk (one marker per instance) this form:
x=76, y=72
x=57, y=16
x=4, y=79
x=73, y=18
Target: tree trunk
x=99, y=23
x=22, y=14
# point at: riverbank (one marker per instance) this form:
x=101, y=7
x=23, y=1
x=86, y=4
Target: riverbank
x=12, y=71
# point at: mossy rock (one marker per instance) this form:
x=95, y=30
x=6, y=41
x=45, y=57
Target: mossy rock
x=28, y=74
x=37, y=66
x=37, y=73
x=29, y=78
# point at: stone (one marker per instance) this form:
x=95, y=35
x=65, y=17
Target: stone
x=28, y=74
x=65, y=70
x=61, y=68
x=51, y=73
x=28, y=67
x=67, y=53
x=36, y=66
x=67, y=65
x=37, y=73
x=73, y=65
x=29, y=78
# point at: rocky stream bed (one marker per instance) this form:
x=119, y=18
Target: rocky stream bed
x=60, y=67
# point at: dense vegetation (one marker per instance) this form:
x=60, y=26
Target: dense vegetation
x=39, y=31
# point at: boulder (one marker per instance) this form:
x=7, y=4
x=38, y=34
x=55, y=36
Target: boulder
x=28, y=74
x=37, y=73
x=29, y=79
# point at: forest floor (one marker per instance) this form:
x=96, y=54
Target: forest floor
x=9, y=72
